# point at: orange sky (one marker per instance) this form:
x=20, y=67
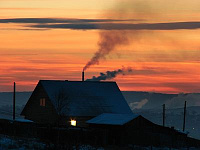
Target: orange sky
x=163, y=60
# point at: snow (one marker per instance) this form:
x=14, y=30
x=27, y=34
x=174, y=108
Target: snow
x=24, y=120
x=112, y=119
x=87, y=147
x=18, y=119
x=14, y=143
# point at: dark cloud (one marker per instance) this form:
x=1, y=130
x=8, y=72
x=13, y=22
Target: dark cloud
x=104, y=24
x=122, y=26
x=59, y=20
x=80, y=26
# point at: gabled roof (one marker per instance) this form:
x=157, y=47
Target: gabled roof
x=112, y=119
x=88, y=98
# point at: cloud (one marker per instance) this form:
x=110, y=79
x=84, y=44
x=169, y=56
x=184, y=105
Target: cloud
x=138, y=105
x=178, y=102
x=184, y=86
x=99, y=24
x=122, y=26
x=60, y=20
x=155, y=71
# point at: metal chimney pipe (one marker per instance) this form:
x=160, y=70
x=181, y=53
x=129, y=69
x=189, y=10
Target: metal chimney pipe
x=83, y=74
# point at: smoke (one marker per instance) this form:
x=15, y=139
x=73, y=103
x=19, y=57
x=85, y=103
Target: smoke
x=138, y=105
x=110, y=74
x=177, y=102
x=109, y=41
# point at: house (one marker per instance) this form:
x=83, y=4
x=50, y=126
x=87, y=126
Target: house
x=101, y=107
x=73, y=102
x=126, y=129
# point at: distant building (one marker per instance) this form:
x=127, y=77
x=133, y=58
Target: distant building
x=73, y=102
x=125, y=129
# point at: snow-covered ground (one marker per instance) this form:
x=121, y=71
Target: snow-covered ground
x=87, y=147
x=14, y=143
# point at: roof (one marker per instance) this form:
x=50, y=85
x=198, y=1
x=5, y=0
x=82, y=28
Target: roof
x=112, y=119
x=88, y=98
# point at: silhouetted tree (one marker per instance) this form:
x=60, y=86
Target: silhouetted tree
x=62, y=103
x=62, y=108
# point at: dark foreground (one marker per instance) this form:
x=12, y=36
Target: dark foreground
x=48, y=137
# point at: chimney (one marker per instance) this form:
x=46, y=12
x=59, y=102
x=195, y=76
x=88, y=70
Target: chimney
x=83, y=75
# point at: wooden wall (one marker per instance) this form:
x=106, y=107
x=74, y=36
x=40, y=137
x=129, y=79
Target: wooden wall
x=40, y=114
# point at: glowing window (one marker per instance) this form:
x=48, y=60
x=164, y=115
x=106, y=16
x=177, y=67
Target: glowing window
x=42, y=102
x=73, y=122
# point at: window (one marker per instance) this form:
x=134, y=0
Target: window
x=73, y=122
x=42, y=102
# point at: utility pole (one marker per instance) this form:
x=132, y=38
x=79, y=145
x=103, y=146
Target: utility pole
x=184, y=116
x=14, y=102
x=163, y=115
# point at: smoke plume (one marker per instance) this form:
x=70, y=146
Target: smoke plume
x=138, y=105
x=108, y=42
x=112, y=39
x=177, y=102
x=110, y=74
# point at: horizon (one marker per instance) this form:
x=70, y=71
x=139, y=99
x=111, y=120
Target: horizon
x=11, y=91
x=158, y=41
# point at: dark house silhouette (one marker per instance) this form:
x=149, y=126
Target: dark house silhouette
x=101, y=109
x=62, y=101
x=127, y=129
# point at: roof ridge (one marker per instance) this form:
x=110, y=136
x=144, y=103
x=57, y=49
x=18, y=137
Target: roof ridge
x=79, y=81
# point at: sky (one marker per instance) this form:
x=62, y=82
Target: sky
x=55, y=40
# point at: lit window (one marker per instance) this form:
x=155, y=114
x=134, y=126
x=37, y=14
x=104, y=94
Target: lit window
x=42, y=102
x=73, y=122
